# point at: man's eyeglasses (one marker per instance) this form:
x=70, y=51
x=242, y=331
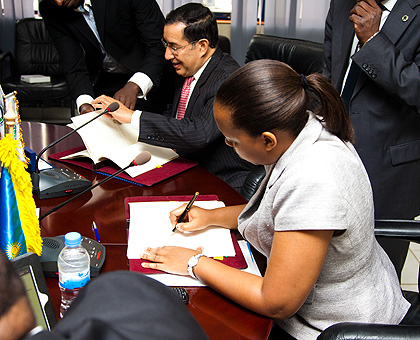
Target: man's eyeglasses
x=175, y=50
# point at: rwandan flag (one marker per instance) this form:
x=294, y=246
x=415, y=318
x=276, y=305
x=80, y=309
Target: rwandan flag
x=12, y=238
x=19, y=225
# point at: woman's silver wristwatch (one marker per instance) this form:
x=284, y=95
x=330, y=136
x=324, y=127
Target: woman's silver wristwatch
x=192, y=262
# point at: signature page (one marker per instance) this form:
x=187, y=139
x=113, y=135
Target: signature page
x=150, y=227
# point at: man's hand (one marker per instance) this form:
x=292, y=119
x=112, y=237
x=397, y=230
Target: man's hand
x=122, y=115
x=85, y=108
x=128, y=95
x=366, y=17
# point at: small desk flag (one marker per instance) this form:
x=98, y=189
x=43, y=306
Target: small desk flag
x=17, y=205
x=19, y=225
x=12, y=239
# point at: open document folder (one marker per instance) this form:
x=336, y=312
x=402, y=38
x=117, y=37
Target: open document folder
x=154, y=224
x=150, y=227
x=107, y=139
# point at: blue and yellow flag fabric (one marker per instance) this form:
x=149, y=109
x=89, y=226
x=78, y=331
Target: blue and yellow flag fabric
x=12, y=239
x=19, y=225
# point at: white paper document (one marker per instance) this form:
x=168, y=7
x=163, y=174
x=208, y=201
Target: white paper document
x=106, y=139
x=150, y=227
x=172, y=280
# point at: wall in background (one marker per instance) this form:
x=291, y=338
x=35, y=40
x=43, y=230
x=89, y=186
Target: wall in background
x=302, y=19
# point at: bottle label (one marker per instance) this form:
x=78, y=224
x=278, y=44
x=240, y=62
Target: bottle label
x=74, y=280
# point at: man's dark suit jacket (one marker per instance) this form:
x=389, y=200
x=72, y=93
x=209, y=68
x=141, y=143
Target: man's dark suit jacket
x=125, y=305
x=385, y=107
x=197, y=136
x=130, y=31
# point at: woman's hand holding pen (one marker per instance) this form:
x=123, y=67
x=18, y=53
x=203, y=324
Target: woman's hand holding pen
x=175, y=259
x=122, y=115
x=196, y=219
x=169, y=259
x=199, y=218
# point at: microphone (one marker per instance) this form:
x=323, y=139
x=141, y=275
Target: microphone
x=140, y=159
x=62, y=182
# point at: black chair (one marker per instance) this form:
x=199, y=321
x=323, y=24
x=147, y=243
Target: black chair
x=34, y=53
x=302, y=55
x=224, y=44
x=399, y=229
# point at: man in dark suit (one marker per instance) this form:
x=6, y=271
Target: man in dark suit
x=109, y=47
x=383, y=39
x=191, y=38
x=120, y=305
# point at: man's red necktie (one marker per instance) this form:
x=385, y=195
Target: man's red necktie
x=184, y=97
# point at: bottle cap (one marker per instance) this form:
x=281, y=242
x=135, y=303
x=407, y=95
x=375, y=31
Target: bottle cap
x=72, y=239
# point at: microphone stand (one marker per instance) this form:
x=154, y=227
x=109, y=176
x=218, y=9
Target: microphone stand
x=62, y=182
x=139, y=160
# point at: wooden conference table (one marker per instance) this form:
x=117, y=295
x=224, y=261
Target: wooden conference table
x=219, y=317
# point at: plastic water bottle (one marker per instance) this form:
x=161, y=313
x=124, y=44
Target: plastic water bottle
x=73, y=270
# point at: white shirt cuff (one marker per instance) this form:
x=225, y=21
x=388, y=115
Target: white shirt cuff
x=143, y=81
x=83, y=99
x=34, y=331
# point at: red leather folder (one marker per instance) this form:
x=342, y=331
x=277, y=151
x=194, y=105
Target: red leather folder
x=238, y=261
x=107, y=168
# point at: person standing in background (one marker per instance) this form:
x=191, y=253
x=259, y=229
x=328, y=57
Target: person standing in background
x=110, y=47
x=372, y=56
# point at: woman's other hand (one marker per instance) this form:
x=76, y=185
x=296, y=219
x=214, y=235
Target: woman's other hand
x=169, y=259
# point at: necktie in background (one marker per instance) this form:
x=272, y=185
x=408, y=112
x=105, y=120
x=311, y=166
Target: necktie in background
x=351, y=81
x=184, y=97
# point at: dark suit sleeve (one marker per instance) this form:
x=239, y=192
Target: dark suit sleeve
x=45, y=335
x=395, y=68
x=72, y=55
x=130, y=31
x=188, y=134
x=149, y=22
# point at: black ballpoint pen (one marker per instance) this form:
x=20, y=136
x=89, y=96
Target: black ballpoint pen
x=185, y=212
